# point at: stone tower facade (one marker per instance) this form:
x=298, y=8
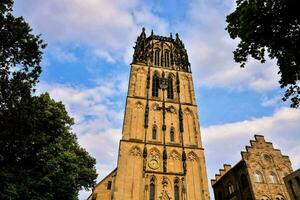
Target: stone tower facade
x=160, y=153
x=257, y=176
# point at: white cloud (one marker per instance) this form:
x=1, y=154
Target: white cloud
x=107, y=26
x=273, y=101
x=62, y=55
x=105, y=55
x=210, y=51
x=224, y=142
x=98, y=117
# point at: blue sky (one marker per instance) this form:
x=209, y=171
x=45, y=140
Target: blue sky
x=86, y=65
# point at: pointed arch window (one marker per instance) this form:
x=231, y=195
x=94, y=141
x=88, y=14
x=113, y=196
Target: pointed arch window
x=172, y=134
x=154, y=133
x=273, y=178
x=170, y=88
x=156, y=57
x=219, y=195
x=155, y=85
x=176, y=189
x=167, y=58
x=244, y=181
x=152, y=189
x=258, y=177
x=230, y=188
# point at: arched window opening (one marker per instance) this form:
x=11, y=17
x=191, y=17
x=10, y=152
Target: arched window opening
x=176, y=189
x=109, y=185
x=219, y=195
x=167, y=58
x=230, y=188
x=273, y=178
x=152, y=189
x=292, y=189
x=172, y=135
x=244, y=181
x=264, y=198
x=155, y=85
x=156, y=57
x=258, y=177
x=154, y=133
x=170, y=88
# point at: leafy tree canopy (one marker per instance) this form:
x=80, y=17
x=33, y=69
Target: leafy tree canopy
x=39, y=155
x=269, y=27
x=20, y=57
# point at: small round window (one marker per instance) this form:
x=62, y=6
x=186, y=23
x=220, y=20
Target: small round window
x=268, y=158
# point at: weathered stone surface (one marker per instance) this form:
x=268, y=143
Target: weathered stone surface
x=263, y=169
x=292, y=183
x=141, y=159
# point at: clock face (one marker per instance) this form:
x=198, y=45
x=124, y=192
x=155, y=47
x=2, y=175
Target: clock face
x=153, y=164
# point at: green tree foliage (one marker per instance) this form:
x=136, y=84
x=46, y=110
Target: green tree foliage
x=270, y=27
x=20, y=57
x=39, y=155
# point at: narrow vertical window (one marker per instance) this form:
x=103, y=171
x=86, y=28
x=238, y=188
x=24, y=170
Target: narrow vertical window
x=152, y=189
x=258, y=177
x=167, y=59
x=170, y=88
x=154, y=133
x=298, y=181
x=244, y=181
x=219, y=195
x=273, y=178
x=230, y=188
x=156, y=57
x=109, y=185
x=176, y=189
x=155, y=85
x=292, y=189
x=172, y=135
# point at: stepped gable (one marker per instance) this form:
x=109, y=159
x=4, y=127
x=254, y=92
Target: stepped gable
x=222, y=172
x=259, y=143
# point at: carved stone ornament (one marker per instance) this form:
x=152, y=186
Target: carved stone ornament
x=135, y=152
x=143, y=50
x=153, y=164
x=174, y=156
x=191, y=157
x=164, y=195
x=154, y=153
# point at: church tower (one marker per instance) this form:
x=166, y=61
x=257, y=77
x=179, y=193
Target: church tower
x=160, y=153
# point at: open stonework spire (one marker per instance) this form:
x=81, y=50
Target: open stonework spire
x=152, y=51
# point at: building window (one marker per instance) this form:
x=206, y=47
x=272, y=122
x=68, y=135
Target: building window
x=156, y=57
x=244, y=181
x=273, y=178
x=258, y=177
x=170, y=88
x=155, y=85
x=268, y=158
x=172, y=135
x=176, y=189
x=154, y=133
x=292, y=189
x=264, y=198
x=298, y=181
x=230, y=188
x=279, y=197
x=219, y=195
x=109, y=185
x=152, y=188
x=167, y=58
